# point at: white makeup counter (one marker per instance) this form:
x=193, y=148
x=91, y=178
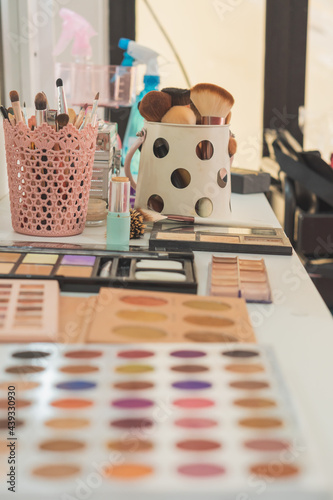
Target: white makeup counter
x=298, y=323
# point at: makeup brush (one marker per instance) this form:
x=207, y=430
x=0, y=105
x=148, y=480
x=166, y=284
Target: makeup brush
x=154, y=105
x=93, y=118
x=80, y=116
x=212, y=102
x=15, y=100
x=179, y=97
x=25, y=114
x=180, y=115
x=232, y=146
x=72, y=115
x=40, y=105
x=62, y=120
x=228, y=118
x=151, y=216
x=4, y=113
x=62, y=103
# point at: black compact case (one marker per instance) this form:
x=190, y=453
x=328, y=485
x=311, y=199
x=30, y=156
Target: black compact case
x=78, y=268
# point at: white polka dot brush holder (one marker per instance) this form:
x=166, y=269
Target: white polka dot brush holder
x=49, y=177
x=184, y=170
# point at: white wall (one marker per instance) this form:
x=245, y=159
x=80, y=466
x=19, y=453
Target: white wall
x=221, y=42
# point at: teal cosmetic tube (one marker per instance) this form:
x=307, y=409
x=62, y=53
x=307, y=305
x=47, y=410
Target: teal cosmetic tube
x=118, y=222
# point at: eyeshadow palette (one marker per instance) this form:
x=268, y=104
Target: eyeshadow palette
x=176, y=236
x=235, y=277
x=140, y=316
x=88, y=270
x=153, y=422
x=28, y=310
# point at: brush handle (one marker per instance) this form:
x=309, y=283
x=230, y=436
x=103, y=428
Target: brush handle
x=230, y=223
x=127, y=165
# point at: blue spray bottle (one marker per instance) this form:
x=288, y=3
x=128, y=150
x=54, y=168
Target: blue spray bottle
x=138, y=54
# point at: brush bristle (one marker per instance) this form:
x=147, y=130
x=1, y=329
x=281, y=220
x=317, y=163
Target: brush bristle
x=232, y=146
x=14, y=97
x=211, y=100
x=97, y=96
x=62, y=120
x=40, y=101
x=150, y=215
x=154, y=105
x=180, y=97
x=59, y=83
x=137, y=225
x=180, y=115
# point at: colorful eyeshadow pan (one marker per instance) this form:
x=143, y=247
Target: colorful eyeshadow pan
x=159, y=420
x=78, y=260
x=40, y=258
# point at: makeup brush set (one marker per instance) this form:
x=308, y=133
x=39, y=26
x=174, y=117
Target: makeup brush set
x=55, y=118
x=203, y=104
x=50, y=158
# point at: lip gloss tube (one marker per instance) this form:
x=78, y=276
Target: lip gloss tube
x=118, y=220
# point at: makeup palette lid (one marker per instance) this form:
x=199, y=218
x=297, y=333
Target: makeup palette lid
x=95, y=249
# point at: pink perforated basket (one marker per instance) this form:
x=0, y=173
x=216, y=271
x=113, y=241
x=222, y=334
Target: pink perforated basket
x=49, y=176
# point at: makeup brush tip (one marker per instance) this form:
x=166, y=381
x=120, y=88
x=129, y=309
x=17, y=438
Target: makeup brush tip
x=59, y=82
x=97, y=96
x=40, y=101
x=14, y=97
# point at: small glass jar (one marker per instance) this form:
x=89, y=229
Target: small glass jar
x=97, y=212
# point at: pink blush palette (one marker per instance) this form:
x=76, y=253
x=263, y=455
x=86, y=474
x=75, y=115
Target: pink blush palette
x=148, y=421
x=28, y=310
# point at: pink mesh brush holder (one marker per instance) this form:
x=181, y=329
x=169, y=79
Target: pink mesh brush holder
x=49, y=176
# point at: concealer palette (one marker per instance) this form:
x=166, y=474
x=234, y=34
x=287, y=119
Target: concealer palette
x=139, y=316
x=81, y=269
x=153, y=422
x=235, y=277
x=28, y=310
x=186, y=236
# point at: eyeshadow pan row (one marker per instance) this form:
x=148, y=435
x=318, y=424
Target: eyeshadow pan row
x=196, y=421
x=235, y=277
x=86, y=272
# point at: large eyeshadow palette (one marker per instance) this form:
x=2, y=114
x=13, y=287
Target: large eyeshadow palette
x=29, y=310
x=87, y=270
x=235, y=277
x=176, y=236
x=152, y=422
x=140, y=316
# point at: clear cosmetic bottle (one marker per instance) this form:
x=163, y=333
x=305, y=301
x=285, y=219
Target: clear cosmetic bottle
x=118, y=219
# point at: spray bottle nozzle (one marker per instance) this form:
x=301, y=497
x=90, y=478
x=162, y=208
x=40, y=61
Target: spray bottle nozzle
x=139, y=54
x=78, y=28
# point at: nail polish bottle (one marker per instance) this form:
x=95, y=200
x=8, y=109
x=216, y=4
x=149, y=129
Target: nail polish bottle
x=118, y=220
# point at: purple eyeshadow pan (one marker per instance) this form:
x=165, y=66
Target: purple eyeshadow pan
x=78, y=260
x=191, y=385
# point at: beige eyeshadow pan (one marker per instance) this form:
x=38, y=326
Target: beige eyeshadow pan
x=6, y=267
x=9, y=257
x=34, y=269
x=75, y=271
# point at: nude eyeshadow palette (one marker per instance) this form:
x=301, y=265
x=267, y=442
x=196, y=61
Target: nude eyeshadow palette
x=148, y=421
x=186, y=236
x=235, y=277
x=81, y=269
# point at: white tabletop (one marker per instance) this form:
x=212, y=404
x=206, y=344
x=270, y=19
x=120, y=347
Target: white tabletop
x=298, y=323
